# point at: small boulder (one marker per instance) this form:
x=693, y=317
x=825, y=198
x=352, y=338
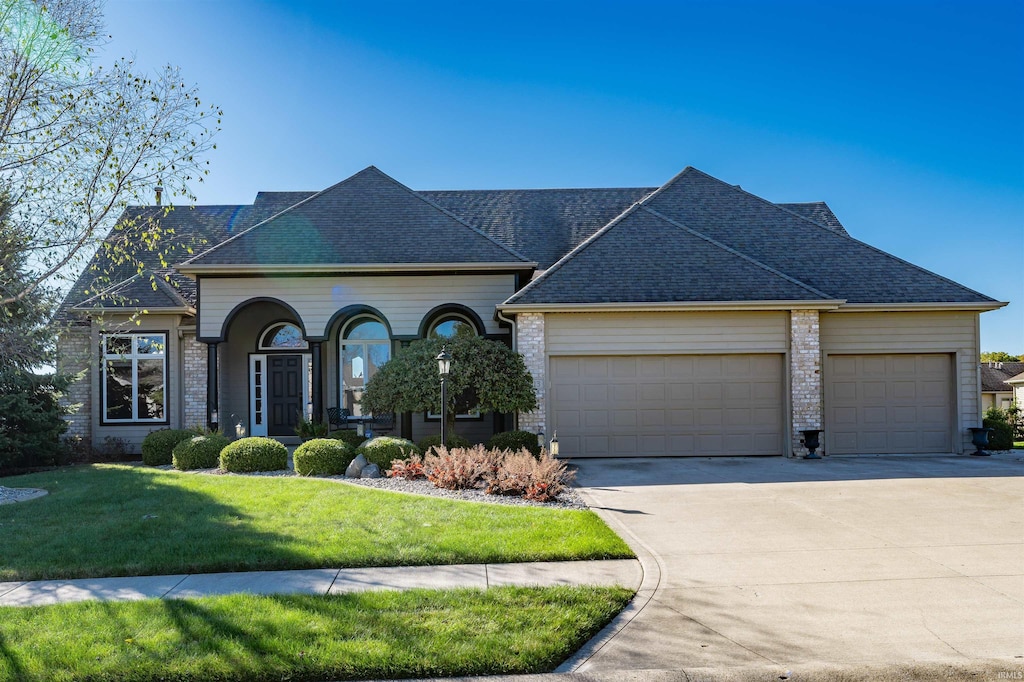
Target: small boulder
x=370, y=471
x=355, y=469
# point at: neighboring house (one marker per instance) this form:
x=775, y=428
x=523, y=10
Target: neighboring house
x=995, y=391
x=689, y=319
x=1017, y=384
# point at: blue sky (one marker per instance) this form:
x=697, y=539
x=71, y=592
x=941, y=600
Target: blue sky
x=906, y=117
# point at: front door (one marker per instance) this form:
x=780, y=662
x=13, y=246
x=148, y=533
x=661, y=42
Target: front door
x=285, y=394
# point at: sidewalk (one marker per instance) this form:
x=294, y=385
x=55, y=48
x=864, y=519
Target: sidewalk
x=624, y=572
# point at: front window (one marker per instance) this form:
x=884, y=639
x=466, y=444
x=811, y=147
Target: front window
x=365, y=346
x=134, y=377
x=282, y=336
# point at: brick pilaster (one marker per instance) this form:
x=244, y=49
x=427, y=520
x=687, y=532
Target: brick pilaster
x=530, y=344
x=805, y=375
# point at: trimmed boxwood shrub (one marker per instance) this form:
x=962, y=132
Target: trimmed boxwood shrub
x=255, y=453
x=454, y=441
x=323, y=457
x=384, y=449
x=515, y=441
x=198, y=452
x=158, y=446
x=1001, y=436
x=350, y=436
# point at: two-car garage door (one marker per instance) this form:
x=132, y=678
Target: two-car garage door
x=668, y=405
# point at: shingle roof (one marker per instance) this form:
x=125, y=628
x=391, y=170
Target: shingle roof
x=544, y=224
x=819, y=212
x=367, y=219
x=995, y=375
x=144, y=290
x=645, y=258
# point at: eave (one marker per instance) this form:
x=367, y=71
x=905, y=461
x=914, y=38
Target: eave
x=348, y=268
x=148, y=310
x=816, y=304
x=919, y=307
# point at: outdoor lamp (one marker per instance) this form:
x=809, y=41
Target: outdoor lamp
x=444, y=362
x=553, y=449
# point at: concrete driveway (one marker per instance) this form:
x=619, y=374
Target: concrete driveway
x=777, y=564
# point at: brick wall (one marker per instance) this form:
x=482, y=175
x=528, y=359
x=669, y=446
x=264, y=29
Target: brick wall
x=530, y=343
x=805, y=375
x=194, y=380
x=74, y=354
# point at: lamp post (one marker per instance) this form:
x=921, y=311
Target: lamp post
x=444, y=366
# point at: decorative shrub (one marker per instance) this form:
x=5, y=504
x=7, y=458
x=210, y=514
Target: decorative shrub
x=350, y=436
x=410, y=468
x=460, y=468
x=255, y=453
x=540, y=479
x=385, y=449
x=198, y=452
x=514, y=441
x=1001, y=436
x=158, y=445
x=31, y=419
x=454, y=441
x=323, y=457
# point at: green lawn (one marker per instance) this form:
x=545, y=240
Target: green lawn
x=362, y=636
x=111, y=520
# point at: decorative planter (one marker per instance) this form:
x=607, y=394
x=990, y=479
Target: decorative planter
x=979, y=437
x=812, y=442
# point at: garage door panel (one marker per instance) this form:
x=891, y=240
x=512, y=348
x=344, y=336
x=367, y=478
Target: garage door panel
x=889, y=403
x=668, y=405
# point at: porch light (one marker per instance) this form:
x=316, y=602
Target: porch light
x=553, y=449
x=444, y=366
x=213, y=417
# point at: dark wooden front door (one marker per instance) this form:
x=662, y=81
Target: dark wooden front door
x=285, y=394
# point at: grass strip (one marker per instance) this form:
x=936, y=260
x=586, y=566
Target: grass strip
x=373, y=635
x=116, y=520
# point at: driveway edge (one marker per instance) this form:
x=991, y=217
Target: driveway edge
x=650, y=565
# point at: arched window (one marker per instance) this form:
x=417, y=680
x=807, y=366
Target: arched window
x=452, y=324
x=282, y=336
x=365, y=346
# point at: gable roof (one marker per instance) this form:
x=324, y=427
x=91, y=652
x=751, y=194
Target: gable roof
x=145, y=290
x=819, y=212
x=367, y=219
x=994, y=375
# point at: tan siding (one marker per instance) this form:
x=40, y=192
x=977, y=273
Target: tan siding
x=403, y=300
x=660, y=333
x=916, y=332
x=133, y=434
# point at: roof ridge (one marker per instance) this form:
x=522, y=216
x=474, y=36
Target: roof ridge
x=454, y=217
x=545, y=189
x=573, y=252
x=742, y=255
x=847, y=236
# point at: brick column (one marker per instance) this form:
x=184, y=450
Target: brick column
x=805, y=375
x=193, y=380
x=530, y=344
x=74, y=354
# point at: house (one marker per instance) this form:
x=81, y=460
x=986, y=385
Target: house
x=995, y=391
x=689, y=319
x=1017, y=384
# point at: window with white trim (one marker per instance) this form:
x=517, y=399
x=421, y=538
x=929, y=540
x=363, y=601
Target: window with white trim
x=134, y=378
x=365, y=346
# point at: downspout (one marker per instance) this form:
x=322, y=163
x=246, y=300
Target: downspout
x=515, y=344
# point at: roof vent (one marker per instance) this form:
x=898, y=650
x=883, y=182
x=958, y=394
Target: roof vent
x=159, y=191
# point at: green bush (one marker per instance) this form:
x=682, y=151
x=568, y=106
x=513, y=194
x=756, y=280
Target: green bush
x=1001, y=436
x=158, y=445
x=323, y=457
x=454, y=441
x=350, y=436
x=31, y=419
x=384, y=449
x=515, y=441
x=255, y=453
x=198, y=452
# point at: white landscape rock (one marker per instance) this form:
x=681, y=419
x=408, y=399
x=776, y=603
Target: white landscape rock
x=355, y=469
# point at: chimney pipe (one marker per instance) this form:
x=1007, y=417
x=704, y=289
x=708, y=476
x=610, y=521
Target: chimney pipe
x=159, y=191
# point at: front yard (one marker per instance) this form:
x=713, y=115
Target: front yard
x=117, y=520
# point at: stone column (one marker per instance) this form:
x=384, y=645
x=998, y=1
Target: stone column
x=194, y=380
x=531, y=345
x=74, y=355
x=805, y=375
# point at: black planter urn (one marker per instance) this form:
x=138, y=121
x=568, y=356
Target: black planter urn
x=812, y=442
x=979, y=437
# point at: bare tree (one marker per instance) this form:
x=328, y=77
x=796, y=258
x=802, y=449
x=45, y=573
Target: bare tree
x=80, y=142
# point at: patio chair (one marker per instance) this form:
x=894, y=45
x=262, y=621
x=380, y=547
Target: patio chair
x=338, y=418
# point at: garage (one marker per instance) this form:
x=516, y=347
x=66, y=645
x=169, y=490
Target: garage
x=667, y=405
x=889, y=404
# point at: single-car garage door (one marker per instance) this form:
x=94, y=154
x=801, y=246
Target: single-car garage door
x=881, y=404
x=667, y=405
